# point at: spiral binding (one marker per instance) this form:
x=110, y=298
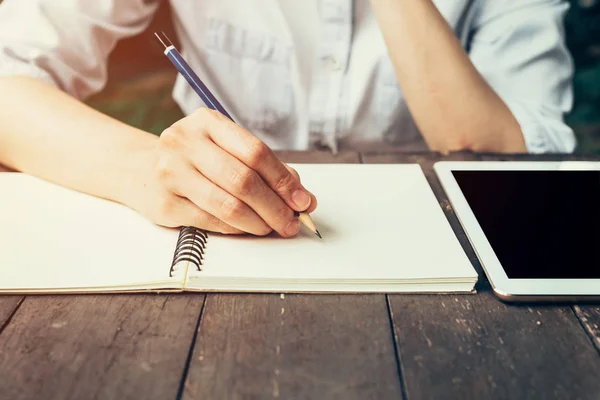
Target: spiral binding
x=190, y=247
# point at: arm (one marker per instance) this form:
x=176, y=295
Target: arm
x=51, y=56
x=462, y=101
x=204, y=171
x=193, y=174
x=47, y=133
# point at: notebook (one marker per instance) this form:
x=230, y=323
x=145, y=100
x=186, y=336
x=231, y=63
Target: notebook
x=382, y=228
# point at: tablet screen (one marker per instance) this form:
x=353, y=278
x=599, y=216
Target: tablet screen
x=541, y=224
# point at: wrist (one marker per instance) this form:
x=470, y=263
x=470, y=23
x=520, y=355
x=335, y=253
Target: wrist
x=138, y=158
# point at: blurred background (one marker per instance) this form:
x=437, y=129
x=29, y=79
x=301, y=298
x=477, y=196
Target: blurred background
x=141, y=78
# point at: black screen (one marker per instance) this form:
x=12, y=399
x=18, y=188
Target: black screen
x=541, y=224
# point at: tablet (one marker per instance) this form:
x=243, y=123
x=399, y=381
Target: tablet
x=535, y=226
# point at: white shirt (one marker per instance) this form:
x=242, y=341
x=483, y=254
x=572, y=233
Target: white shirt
x=304, y=74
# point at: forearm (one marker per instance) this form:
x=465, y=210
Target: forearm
x=47, y=133
x=451, y=103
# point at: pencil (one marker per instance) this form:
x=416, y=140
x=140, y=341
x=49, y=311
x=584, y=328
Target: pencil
x=211, y=102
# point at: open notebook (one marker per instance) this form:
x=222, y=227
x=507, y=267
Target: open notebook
x=383, y=231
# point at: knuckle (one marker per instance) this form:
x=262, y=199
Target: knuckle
x=245, y=181
x=285, y=181
x=164, y=168
x=170, y=138
x=294, y=172
x=257, y=152
x=206, y=118
x=203, y=112
x=232, y=209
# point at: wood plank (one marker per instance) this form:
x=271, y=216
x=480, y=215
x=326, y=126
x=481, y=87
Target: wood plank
x=298, y=346
x=294, y=346
x=475, y=346
x=539, y=157
x=316, y=157
x=8, y=306
x=589, y=317
x=100, y=346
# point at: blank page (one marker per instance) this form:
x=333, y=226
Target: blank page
x=55, y=238
x=379, y=223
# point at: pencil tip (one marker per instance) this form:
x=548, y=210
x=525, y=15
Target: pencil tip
x=318, y=234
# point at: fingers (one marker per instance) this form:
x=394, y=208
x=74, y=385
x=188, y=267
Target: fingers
x=258, y=157
x=245, y=186
x=234, y=177
x=225, y=211
x=186, y=213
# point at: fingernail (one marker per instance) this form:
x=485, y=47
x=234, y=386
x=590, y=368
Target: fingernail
x=292, y=228
x=301, y=199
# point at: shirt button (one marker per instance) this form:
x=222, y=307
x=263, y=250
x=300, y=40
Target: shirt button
x=332, y=63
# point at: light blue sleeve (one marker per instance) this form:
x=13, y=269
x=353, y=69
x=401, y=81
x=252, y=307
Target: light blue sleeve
x=519, y=48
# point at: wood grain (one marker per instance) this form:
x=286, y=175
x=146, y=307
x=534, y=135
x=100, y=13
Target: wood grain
x=318, y=157
x=538, y=157
x=589, y=317
x=475, y=346
x=8, y=306
x=106, y=346
x=295, y=347
x=298, y=346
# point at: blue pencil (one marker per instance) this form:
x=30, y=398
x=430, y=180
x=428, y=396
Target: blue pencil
x=190, y=76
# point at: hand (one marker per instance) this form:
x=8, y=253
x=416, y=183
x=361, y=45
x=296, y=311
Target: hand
x=208, y=172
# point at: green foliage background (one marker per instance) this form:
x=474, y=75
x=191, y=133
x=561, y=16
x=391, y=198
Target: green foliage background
x=583, y=39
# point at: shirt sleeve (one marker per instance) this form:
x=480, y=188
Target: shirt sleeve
x=519, y=48
x=66, y=43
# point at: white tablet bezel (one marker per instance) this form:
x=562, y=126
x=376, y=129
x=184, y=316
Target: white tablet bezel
x=502, y=285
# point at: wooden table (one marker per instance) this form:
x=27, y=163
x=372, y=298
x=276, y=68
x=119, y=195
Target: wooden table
x=229, y=346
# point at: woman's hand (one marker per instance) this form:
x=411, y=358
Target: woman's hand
x=206, y=171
